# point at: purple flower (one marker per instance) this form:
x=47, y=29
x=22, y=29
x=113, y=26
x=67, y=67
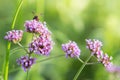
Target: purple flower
x=110, y=67
x=114, y=69
x=14, y=36
x=106, y=60
x=99, y=54
x=41, y=45
x=33, y=26
x=71, y=49
x=93, y=45
x=26, y=62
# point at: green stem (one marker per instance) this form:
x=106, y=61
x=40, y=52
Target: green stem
x=7, y=61
x=81, y=68
x=80, y=60
x=88, y=63
x=16, y=49
x=27, y=77
x=16, y=14
x=93, y=63
x=23, y=47
x=9, y=43
x=49, y=58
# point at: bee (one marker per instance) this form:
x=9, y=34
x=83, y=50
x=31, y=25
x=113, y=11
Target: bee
x=36, y=18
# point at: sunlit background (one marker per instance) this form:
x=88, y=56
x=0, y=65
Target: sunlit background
x=75, y=20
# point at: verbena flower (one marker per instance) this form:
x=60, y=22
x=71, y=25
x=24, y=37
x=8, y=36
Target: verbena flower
x=26, y=62
x=93, y=45
x=106, y=60
x=110, y=67
x=99, y=55
x=33, y=26
x=71, y=49
x=114, y=69
x=41, y=45
x=14, y=36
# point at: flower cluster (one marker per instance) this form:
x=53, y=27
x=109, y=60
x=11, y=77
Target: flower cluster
x=71, y=49
x=106, y=60
x=26, y=62
x=41, y=45
x=14, y=36
x=34, y=26
x=95, y=47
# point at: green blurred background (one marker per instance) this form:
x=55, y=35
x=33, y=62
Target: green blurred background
x=68, y=20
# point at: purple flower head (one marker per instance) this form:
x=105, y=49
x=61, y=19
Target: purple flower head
x=114, y=69
x=99, y=54
x=26, y=62
x=14, y=36
x=41, y=45
x=106, y=60
x=93, y=45
x=71, y=49
x=33, y=26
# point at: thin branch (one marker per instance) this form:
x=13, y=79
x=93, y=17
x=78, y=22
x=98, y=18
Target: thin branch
x=50, y=58
x=23, y=47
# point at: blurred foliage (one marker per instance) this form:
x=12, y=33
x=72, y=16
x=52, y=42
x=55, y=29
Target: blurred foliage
x=68, y=20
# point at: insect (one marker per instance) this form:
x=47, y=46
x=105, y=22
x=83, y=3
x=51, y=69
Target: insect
x=36, y=17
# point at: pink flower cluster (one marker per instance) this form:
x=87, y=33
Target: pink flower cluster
x=41, y=45
x=14, y=36
x=95, y=47
x=34, y=26
x=71, y=49
x=26, y=62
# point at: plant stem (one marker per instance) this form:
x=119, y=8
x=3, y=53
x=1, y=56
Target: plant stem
x=22, y=47
x=49, y=58
x=27, y=78
x=7, y=61
x=16, y=14
x=88, y=63
x=81, y=68
x=80, y=60
x=93, y=63
x=16, y=49
x=9, y=43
